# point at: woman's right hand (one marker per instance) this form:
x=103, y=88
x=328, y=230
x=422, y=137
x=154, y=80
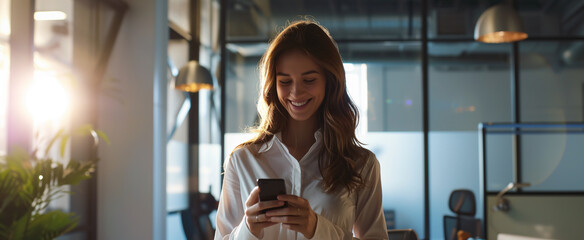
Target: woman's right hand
x=255, y=220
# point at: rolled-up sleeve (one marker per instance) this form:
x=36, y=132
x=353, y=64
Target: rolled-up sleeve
x=369, y=221
x=230, y=223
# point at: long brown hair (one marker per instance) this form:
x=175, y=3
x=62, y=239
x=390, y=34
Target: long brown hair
x=341, y=155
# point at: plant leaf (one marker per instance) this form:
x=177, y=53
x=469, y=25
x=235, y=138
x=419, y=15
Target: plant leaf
x=58, y=135
x=17, y=229
x=50, y=225
x=63, y=145
x=102, y=135
x=76, y=172
x=24, y=195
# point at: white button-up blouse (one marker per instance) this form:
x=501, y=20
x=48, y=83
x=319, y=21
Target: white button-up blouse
x=339, y=214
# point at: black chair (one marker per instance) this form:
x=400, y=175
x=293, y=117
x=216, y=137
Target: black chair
x=462, y=202
x=195, y=220
x=402, y=234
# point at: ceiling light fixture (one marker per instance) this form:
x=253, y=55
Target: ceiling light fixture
x=49, y=15
x=193, y=77
x=499, y=24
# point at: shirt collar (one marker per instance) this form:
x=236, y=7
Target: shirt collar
x=278, y=137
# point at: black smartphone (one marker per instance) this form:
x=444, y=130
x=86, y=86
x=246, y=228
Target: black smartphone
x=270, y=188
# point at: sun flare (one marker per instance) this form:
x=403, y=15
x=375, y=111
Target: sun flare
x=47, y=99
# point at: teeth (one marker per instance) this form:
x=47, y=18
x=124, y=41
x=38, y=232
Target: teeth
x=298, y=104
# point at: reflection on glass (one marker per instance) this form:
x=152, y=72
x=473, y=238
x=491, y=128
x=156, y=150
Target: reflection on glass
x=553, y=162
x=551, y=84
x=551, y=157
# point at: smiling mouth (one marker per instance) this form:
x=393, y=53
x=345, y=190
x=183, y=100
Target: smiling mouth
x=299, y=104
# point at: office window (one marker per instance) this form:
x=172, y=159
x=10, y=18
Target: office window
x=50, y=93
x=51, y=89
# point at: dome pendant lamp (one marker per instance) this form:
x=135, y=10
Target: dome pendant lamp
x=193, y=77
x=499, y=24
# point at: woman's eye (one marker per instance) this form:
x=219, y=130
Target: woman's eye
x=285, y=82
x=310, y=80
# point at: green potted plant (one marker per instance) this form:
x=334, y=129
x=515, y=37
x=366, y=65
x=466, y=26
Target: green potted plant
x=28, y=184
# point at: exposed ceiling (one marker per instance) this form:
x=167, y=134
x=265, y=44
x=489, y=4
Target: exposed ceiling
x=259, y=19
x=256, y=21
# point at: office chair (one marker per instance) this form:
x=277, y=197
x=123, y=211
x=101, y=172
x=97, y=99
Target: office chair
x=462, y=202
x=195, y=220
x=402, y=234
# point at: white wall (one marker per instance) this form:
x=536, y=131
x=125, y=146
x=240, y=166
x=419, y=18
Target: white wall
x=131, y=172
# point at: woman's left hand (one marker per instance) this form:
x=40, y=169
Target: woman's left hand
x=298, y=216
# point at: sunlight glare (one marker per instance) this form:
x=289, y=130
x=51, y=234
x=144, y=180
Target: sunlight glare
x=4, y=29
x=47, y=98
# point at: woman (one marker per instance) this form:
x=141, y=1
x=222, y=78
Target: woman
x=307, y=137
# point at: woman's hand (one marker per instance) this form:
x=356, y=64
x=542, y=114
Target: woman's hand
x=254, y=219
x=298, y=216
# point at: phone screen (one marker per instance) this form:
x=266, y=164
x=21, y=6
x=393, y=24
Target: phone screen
x=270, y=188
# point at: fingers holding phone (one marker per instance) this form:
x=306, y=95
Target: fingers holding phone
x=259, y=202
x=269, y=204
x=297, y=216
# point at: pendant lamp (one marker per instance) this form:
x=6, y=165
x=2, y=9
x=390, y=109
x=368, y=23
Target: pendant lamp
x=193, y=77
x=499, y=24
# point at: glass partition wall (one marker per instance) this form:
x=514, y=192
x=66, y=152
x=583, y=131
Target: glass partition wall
x=424, y=86
x=468, y=84
x=552, y=76
x=530, y=81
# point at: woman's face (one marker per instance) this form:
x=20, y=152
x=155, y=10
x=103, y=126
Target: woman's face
x=300, y=84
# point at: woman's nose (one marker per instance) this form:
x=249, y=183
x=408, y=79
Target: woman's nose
x=297, y=88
